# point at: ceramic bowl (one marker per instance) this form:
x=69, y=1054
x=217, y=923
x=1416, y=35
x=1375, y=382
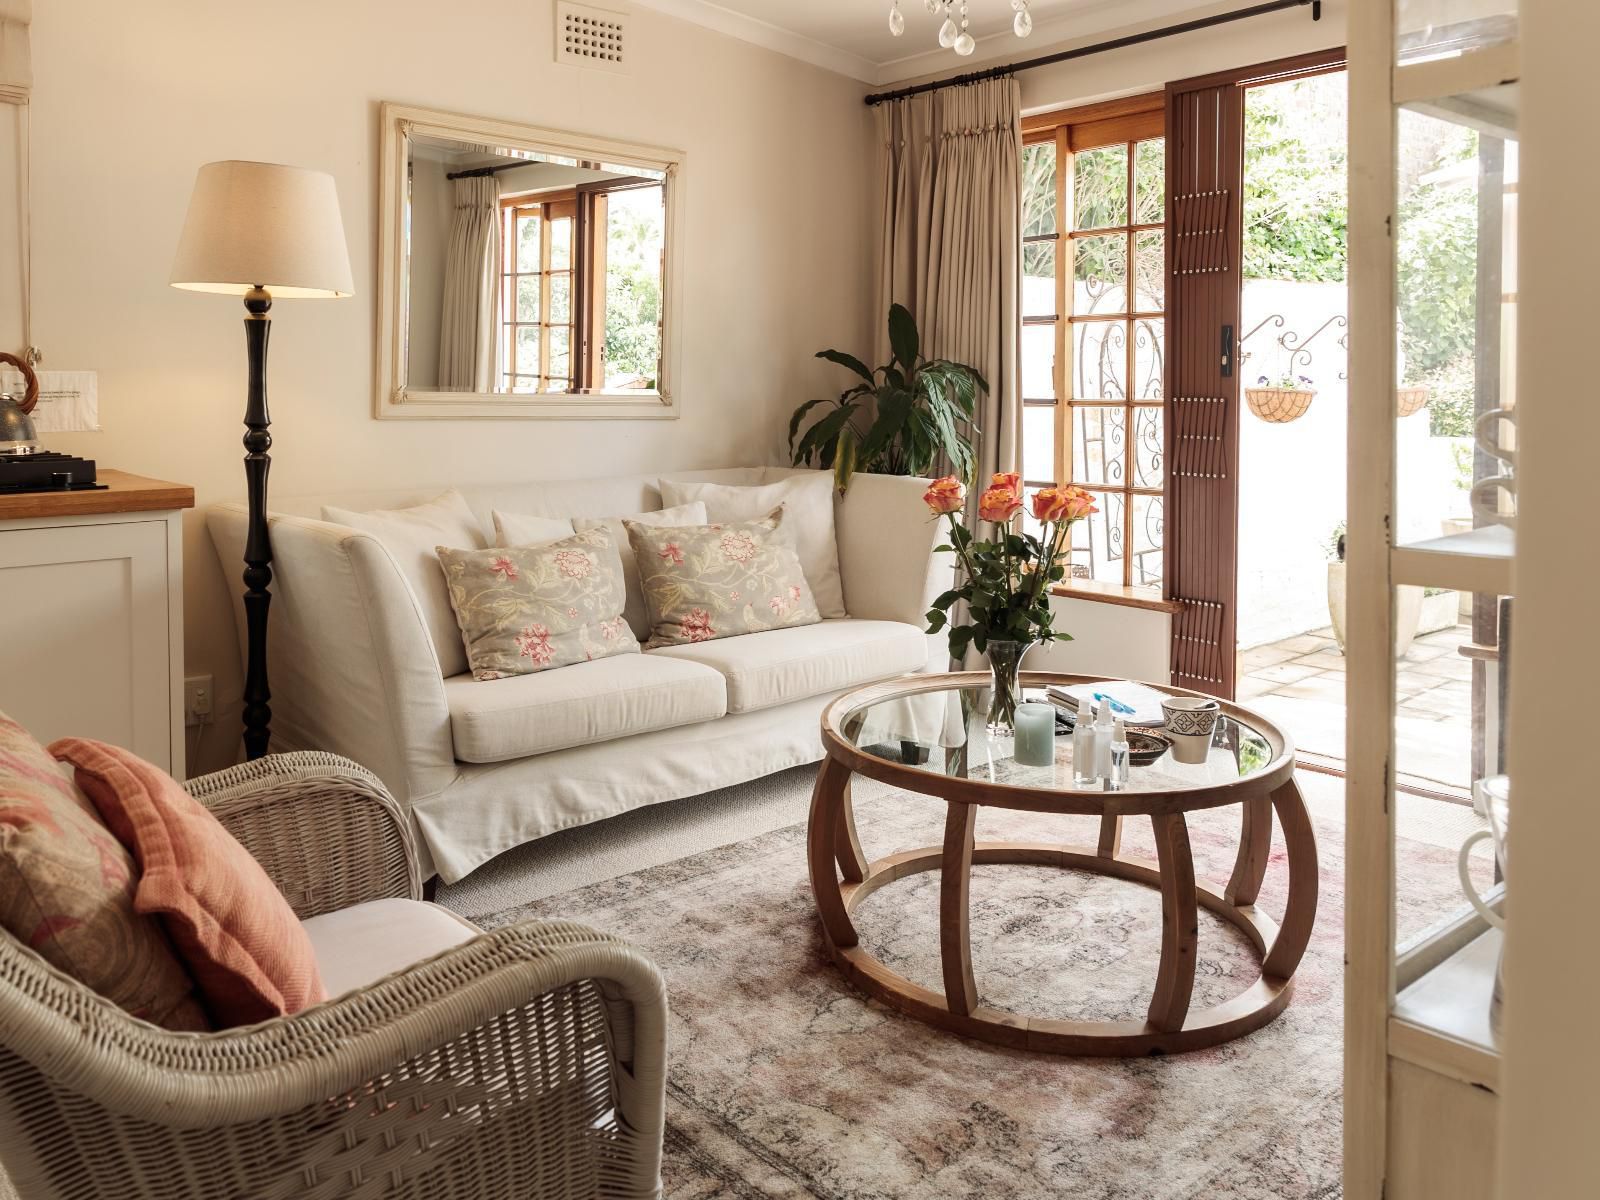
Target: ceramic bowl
x=1191, y=716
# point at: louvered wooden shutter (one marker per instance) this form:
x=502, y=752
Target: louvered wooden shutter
x=1205, y=181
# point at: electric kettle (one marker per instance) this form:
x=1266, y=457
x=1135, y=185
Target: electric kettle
x=17, y=434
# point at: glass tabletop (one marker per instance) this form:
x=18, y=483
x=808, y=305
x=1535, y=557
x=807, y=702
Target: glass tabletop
x=944, y=732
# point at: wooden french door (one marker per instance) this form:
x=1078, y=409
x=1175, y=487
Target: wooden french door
x=1205, y=182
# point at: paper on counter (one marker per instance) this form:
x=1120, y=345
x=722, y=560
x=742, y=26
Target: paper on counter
x=69, y=401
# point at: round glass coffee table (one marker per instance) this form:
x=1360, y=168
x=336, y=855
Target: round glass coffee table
x=926, y=734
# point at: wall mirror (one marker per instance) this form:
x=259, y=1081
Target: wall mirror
x=524, y=272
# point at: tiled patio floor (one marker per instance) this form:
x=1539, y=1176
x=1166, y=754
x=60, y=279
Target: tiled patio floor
x=1299, y=683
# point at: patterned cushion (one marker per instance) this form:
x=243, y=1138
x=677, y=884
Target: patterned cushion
x=711, y=581
x=685, y=514
x=533, y=608
x=67, y=886
x=237, y=934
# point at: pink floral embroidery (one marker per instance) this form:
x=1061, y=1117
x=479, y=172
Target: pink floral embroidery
x=738, y=546
x=734, y=595
x=534, y=642
x=611, y=630
x=572, y=612
x=504, y=566
x=574, y=564
x=794, y=592
x=778, y=605
x=697, y=625
x=673, y=553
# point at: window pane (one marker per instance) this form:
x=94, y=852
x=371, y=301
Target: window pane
x=1039, y=279
x=1099, y=360
x=1149, y=356
x=528, y=350
x=1099, y=446
x=561, y=244
x=1149, y=181
x=524, y=383
x=1150, y=271
x=1149, y=531
x=1100, y=274
x=1039, y=443
x=527, y=243
x=1039, y=189
x=1038, y=362
x=635, y=229
x=1100, y=187
x=1097, y=541
x=1149, y=448
x=560, y=299
x=560, y=344
x=528, y=298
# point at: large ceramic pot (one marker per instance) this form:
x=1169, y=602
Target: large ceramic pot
x=1407, y=610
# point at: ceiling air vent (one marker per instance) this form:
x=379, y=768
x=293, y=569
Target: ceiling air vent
x=591, y=37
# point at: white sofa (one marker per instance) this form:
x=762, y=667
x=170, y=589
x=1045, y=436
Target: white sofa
x=483, y=767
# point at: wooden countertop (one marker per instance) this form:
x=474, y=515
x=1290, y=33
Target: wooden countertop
x=123, y=493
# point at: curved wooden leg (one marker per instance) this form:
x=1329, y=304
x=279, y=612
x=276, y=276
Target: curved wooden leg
x=1255, y=845
x=1180, y=923
x=827, y=797
x=1300, y=914
x=955, y=882
x=1110, y=836
x=846, y=845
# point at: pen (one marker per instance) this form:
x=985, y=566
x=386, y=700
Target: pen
x=1117, y=706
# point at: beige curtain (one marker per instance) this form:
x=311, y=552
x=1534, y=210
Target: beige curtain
x=950, y=184
x=471, y=281
x=16, y=68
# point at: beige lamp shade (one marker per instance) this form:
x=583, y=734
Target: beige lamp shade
x=254, y=224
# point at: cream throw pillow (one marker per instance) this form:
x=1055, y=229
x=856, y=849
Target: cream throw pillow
x=514, y=529
x=523, y=609
x=712, y=581
x=685, y=514
x=410, y=535
x=807, y=502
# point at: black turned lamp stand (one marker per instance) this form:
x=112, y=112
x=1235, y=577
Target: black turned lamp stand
x=258, y=229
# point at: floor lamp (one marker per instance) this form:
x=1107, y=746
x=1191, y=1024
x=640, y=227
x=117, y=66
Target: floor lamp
x=260, y=230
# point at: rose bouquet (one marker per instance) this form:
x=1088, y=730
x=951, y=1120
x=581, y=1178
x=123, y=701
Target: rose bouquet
x=1005, y=580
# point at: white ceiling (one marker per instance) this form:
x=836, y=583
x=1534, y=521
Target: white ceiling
x=853, y=38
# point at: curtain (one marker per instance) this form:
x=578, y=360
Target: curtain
x=471, y=281
x=16, y=70
x=950, y=185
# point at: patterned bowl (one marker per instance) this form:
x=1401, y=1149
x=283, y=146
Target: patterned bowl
x=1193, y=716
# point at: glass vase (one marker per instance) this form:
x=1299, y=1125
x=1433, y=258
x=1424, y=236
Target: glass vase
x=1005, y=670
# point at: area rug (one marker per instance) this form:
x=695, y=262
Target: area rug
x=786, y=1082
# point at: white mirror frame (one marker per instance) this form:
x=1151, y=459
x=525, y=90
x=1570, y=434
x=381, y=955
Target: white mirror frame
x=397, y=124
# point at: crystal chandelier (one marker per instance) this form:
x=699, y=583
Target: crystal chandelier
x=953, y=33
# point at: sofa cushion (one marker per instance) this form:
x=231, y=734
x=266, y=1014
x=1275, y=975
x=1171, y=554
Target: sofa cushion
x=358, y=946
x=763, y=669
x=589, y=702
x=637, y=612
x=515, y=529
x=232, y=927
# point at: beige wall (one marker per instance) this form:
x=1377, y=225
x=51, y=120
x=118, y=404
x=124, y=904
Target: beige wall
x=131, y=98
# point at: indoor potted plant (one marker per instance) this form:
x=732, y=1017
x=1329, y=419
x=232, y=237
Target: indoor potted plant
x=904, y=418
x=1005, y=579
x=1407, y=599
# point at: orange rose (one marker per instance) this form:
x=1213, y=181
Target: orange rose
x=1000, y=502
x=945, y=495
x=1007, y=479
x=1062, y=504
x=1079, y=504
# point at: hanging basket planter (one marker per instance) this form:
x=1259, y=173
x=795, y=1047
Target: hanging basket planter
x=1408, y=400
x=1279, y=404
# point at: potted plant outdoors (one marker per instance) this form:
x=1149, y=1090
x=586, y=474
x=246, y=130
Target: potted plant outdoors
x=1407, y=600
x=1286, y=398
x=920, y=411
x=1005, y=579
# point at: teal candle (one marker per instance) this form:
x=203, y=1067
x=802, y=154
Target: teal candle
x=1036, y=734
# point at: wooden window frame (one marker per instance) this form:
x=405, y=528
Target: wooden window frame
x=1091, y=127
x=550, y=206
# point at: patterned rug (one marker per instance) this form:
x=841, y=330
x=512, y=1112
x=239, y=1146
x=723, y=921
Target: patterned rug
x=786, y=1082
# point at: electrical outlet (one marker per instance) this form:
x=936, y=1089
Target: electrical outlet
x=196, y=699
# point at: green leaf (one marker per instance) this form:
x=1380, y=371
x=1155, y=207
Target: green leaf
x=844, y=459
x=936, y=620
x=794, y=424
x=903, y=336
x=946, y=599
x=821, y=438
x=847, y=360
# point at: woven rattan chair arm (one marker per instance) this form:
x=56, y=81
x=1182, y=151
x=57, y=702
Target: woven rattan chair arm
x=327, y=831
x=476, y=995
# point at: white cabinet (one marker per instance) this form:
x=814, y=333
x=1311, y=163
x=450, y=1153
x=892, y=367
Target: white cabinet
x=91, y=615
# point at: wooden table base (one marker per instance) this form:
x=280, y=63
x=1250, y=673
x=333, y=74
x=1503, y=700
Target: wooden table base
x=1170, y=1025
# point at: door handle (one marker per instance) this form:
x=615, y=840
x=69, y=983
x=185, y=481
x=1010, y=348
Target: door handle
x=1227, y=351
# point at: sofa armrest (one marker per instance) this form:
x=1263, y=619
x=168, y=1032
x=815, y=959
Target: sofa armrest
x=326, y=830
x=886, y=538
x=525, y=1053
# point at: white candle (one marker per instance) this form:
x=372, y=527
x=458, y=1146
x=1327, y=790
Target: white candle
x=1036, y=734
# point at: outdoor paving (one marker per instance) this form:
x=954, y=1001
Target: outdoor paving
x=1299, y=683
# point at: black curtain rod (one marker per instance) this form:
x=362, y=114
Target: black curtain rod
x=479, y=171
x=1134, y=39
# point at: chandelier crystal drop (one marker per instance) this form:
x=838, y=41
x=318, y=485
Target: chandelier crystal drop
x=954, y=33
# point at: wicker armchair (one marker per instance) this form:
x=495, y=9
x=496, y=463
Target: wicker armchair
x=528, y=1062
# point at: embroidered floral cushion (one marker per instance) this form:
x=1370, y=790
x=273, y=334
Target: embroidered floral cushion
x=67, y=891
x=712, y=581
x=533, y=608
